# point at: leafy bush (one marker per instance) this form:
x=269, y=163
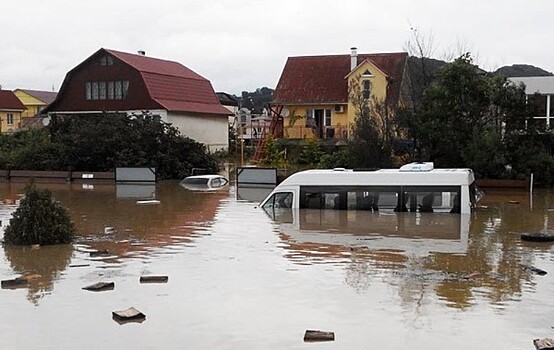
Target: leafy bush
x=276, y=154
x=311, y=152
x=39, y=219
x=339, y=159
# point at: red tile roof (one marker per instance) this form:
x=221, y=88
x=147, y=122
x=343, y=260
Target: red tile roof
x=8, y=101
x=322, y=79
x=45, y=96
x=173, y=85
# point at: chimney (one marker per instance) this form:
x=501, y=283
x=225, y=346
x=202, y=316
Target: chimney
x=142, y=53
x=353, y=58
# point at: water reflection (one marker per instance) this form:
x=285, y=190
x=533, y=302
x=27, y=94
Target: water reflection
x=422, y=253
x=42, y=266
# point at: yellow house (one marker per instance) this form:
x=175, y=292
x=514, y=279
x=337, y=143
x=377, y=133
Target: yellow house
x=10, y=112
x=314, y=93
x=35, y=101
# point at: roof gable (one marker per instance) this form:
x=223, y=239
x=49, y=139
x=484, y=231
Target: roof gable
x=8, y=101
x=366, y=69
x=322, y=79
x=46, y=97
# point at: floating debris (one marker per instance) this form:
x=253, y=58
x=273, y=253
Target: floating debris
x=544, y=344
x=15, y=283
x=315, y=335
x=513, y=202
x=534, y=270
x=128, y=315
x=35, y=246
x=109, y=230
x=154, y=279
x=79, y=265
x=149, y=202
x=103, y=252
x=100, y=286
x=537, y=237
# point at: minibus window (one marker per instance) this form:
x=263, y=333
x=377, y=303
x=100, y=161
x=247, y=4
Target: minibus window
x=279, y=200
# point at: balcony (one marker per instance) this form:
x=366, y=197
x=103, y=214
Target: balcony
x=324, y=132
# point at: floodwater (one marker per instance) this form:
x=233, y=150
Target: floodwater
x=242, y=279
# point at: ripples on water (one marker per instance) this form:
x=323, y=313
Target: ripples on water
x=240, y=278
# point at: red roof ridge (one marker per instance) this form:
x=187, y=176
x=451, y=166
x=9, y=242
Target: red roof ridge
x=348, y=55
x=148, y=64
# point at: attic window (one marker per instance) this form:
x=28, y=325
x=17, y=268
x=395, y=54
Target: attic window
x=367, y=73
x=106, y=61
x=366, y=89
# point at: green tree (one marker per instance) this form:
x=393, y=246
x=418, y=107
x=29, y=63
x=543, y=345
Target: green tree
x=374, y=130
x=103, y=142
x=311, y=152
x=461, y=111
x=39, y=219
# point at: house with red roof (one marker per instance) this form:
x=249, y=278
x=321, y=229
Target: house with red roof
x=313, y=97
x=111, y=81
x=11, y=109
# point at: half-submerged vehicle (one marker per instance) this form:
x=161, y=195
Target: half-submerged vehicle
x=204, y=182
x=415, y=187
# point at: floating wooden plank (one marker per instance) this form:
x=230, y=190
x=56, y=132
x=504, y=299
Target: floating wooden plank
x=103, y=252
x=154, y=279
x=79, y=265
x=537, y=237
x=544, y=344
x=14, y=283
x=100, y=286
x=128, y=315
x=534, y=270
x=149, y=202
x=316, y=335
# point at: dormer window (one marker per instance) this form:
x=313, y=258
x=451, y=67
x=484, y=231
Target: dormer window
x=367, y=74
x=106, y=61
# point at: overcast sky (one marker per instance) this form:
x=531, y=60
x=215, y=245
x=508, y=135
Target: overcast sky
x=243, y=44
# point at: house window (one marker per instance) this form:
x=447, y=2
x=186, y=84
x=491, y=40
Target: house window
x=95, y=90
x=367, y=73
x=110, y=90
x=106, y=61
x=101, y=90
x=118, y=90
x=327, y=121
x=10, y=119
x=125, y=88
x=367, y=89
x=321, y=117
x=88, y=90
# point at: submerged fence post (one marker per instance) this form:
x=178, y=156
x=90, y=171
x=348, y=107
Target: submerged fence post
x=69, y=174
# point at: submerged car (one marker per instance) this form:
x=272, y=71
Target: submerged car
x=204, y=182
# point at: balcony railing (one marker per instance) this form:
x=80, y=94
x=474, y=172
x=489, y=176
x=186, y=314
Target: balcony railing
x=325, y=132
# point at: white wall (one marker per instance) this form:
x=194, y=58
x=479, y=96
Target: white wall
x=211, y=130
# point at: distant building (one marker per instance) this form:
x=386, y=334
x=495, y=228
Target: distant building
x=111, y=81
x=11, y=110
x=230, y=102
x=313, y=91
x=540, y=92
x=34, y=100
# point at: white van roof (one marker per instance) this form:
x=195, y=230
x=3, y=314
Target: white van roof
x=417, y=174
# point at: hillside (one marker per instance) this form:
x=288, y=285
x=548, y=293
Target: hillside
x=522, y=70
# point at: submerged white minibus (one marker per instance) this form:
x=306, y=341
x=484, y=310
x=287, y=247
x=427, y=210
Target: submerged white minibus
x=414, y=187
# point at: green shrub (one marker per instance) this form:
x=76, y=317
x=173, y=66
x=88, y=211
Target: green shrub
x=39, y=219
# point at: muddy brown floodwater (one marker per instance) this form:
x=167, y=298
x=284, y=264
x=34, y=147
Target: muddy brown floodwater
x=240, y=278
